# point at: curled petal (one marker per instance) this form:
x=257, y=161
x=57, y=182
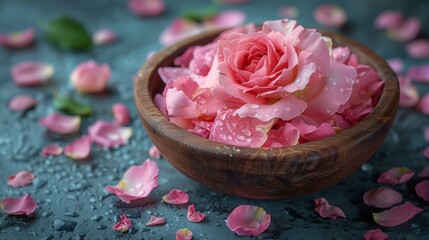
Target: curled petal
x=184, y=234
x=396, y=175
x=179, y=29
x=153, y=221
x=396, y=215
x=422, y=189
x=312, y=131
x=79, y=149
x=121, y=114
x=52, y=150
x=248, y=220
x=407, y=31
x=103, y=36
x=123, y=225
x=419, y=73
x=154, y=152
x=418, y=48
x=18, y=39
x=381, y=197
x=193, y=215
x=227, y=19
x=287, y=135
x=62, y=124
x=326, y=210
x=89, y=77
x=137, y=183
x=31, y=73
x=409, y=96
x=423, y=105
x=19, y=206
x=375, y=234
x=20, y=179
x=21, y=103
x=176, y=197
x=108, y=134
x=288, y=11
x=146, y=8
x=389, y=19
x=330, y=15
x=396, y=64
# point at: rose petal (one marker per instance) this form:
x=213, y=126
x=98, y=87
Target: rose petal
x=375, y=234
x=146, y=8
x=153, y=221
x=396, y=64
x=20, y=179
x=18, y=39
x=407, y=31
x=330, y=15
x=423, y=105
x=422, y=189
x=426, y=152
x=137, y=183
x=409, y=96
x=201, y=128
x=123, y=225
x=184, y=234
x=179, y=105
x=248, y=220
x=121, y=114
x=287, y=11
x=287, y=135
x=381, y=197
x=419, y=73
x=31, y=73
x=418, y=48
x=193, y=215
x=326, y=210
x=52, y=150
x=179, y=29
x=103, y=37
x=89, y=77
x=396, y=215
x=154, y=152
x=21, y=103
x=389, y=19
x=424, y=173
x=227, y=19
x=62, y=124
x=176, y=197
x=396, y=175
x=108, y=134
x=19, y=206
x=79, y=149
x=312, y=131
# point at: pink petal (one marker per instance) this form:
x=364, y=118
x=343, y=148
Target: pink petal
x=201, y=128
x=18, y=39
x=176, y=197
x=184, y=234
x=389, y=19
x=123, y=225
x=52, y=150
x=326, y=210
x=227, y=19
x=426, y=152
x=153, y=221
x=121, y=114
x=179, y=29
x=19, y=206
x=248, y=220
x=31, y=73
x=108, y=134
x=146, y=8
x=381, y=197
x=154, y=152
x=20, y=179
x=288, y=11
x=375, y=234
x=330, y=15
x=396, y=64
x=21, y=103
x=422, y=189
x=89, y=77
x=193, y=215
x=160, y=104
x=179, y=105
x=407, y=31
x=396, y=215
x=79, y=149
x=396, y=175
x=409, y=96
x=312, y=131
x=103, y=36
x=287, y=135
x=418, y=48
x=137, y=183
x=62, y=124
x=424, y=173
x=419, y=73
x=423, y=105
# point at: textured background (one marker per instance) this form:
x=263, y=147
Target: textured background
x=72, y=193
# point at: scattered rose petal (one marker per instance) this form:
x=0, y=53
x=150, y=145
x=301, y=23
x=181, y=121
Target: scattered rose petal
x=123, y=225
x=31, y=73
x=52, y=150
x=227, y=19
x=108, y=134
x=103, y=36
x=179, y=29
x=137, y=183
x=396, y=64
x=409, y=96
x=330, y=15
x=176, y=197
x=423, y=105
x=389, y=19
x=146, y=8
x=184, y=234
x=21, y=103
x=407, y=31
x=396, y=175
x=422, y=189
x=79, y=149
x=20, y=179
x=89, y=77
x=375, y=234
x=154, y=152
x=426, y=152
x=121, y=114
x=193, y=215
x=288, y=11
x=248, y=220
x=326, y=210
x=62, y=124
x=396, y=215
x=381, y=197
x=153, y=221
x=19, y=206
x=419, y=73
x=424, y=172
x=418, y=48
x=18, y=39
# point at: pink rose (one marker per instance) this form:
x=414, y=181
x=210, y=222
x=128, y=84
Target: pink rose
x=89, y=77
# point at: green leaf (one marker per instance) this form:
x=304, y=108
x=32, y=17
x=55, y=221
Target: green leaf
x=71, y=106
x=201, y=15
x=68, y=34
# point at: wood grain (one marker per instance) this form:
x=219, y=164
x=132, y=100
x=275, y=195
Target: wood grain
x=265, y=173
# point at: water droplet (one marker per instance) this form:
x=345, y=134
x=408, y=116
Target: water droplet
x=229, y=137
x=287, y=109
x=298, y=80
x=334, y=83
x=341, y=89
x=236, y=149
x=276, y=110
x=367, y=167
x=253, y=106
x=266, y=115
x=71, y=214
x=246, y=132
x=61, y=225
x=139, y=185
x=254, y=224
x=248, y=140
x=222, y=136
x=328, y=111
x=240, y=137
x=326, y=88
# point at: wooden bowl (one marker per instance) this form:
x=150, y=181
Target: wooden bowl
x=264, y=173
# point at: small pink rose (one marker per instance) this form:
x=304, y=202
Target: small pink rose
x=30, y=73
x=52, y=150
x=396, y=215
x=146, y=8
x=176, y=197
x=89, y=77
x=193, y=215
x=121, y=114
x=153, y=221
x=247, y=220
x=20, y=179
x=123, y=225
x=79, y=149
x=62, y=124
x=327, y=210
x=103, y=37
x=21, y=103
x=18, y=39
x=24, y=205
